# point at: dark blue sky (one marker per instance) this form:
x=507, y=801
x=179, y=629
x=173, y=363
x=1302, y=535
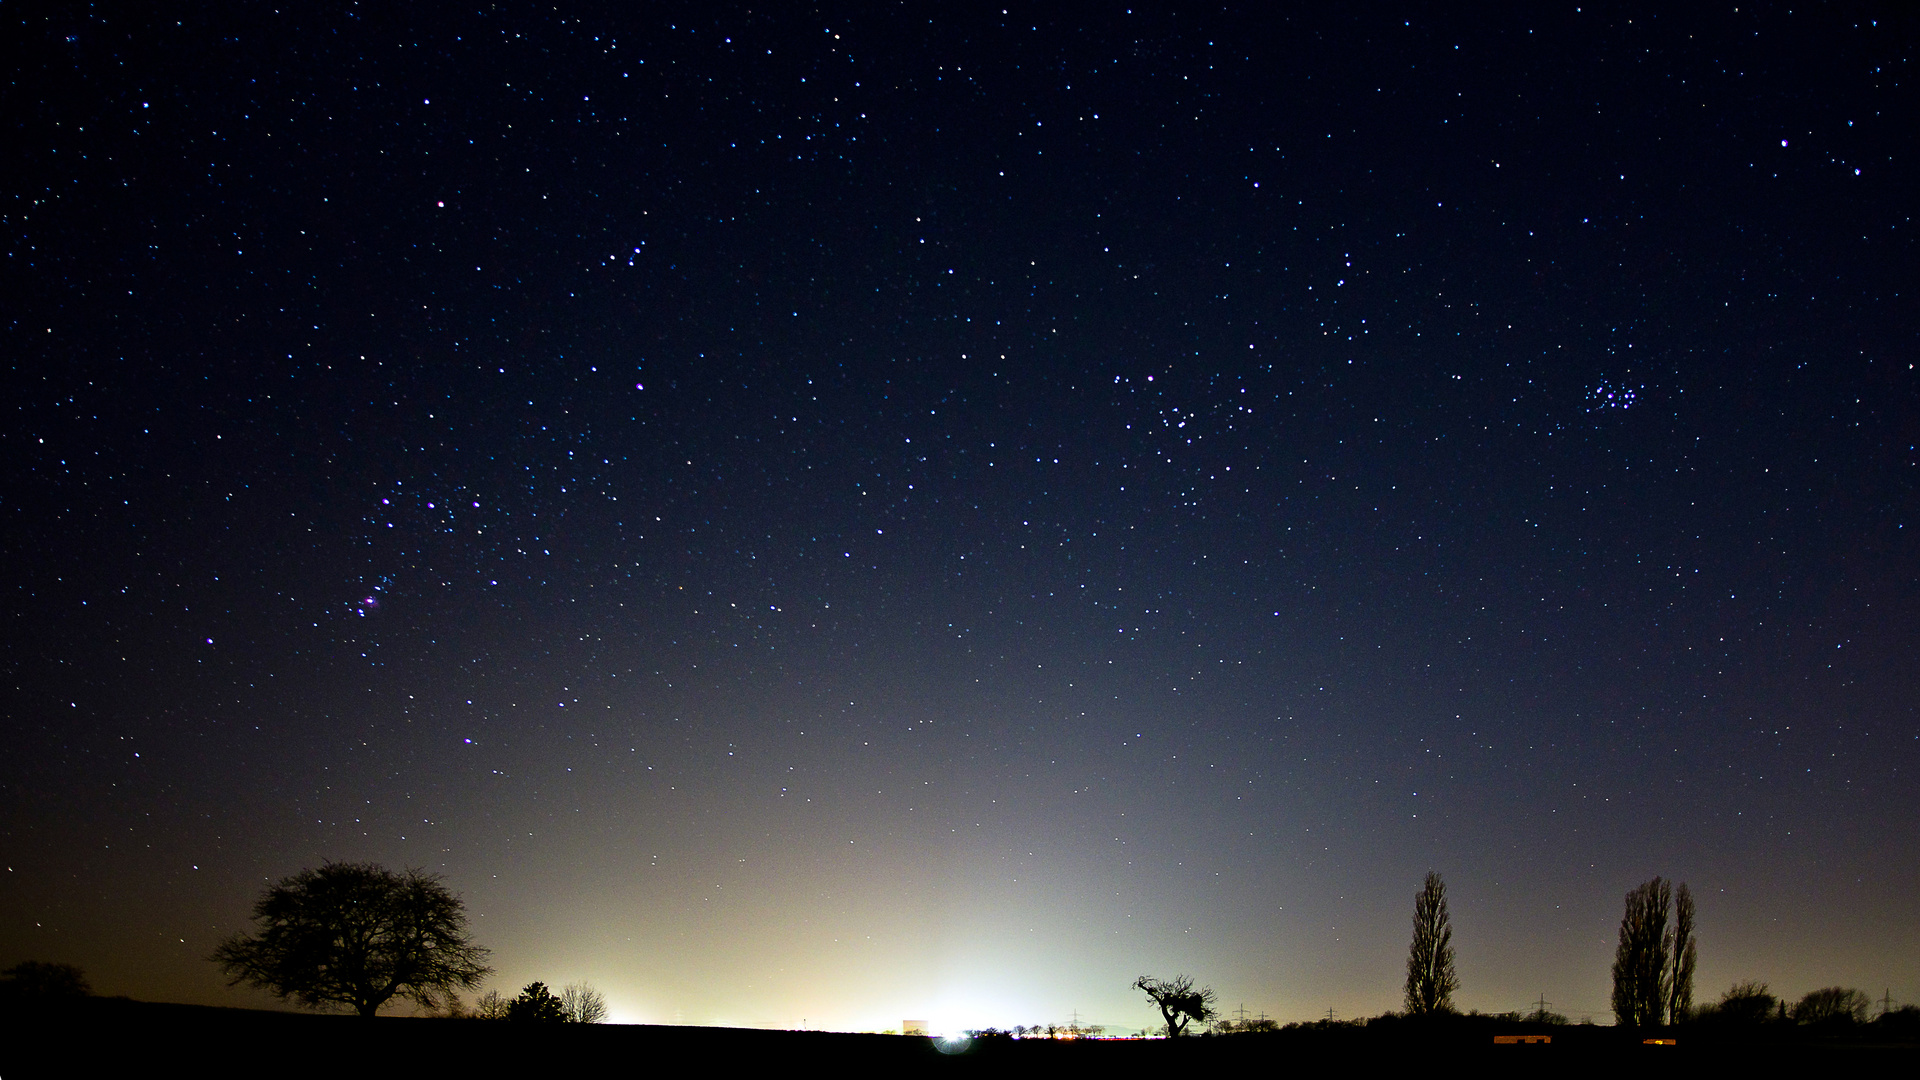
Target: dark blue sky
x=925, y=511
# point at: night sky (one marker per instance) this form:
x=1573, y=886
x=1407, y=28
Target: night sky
x=823, y=516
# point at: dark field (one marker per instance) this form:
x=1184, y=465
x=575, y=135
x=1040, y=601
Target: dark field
x=112, y=1037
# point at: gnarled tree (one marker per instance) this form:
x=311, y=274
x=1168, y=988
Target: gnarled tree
x=1431, y=980
x=357, y=935
x=1178, y=1000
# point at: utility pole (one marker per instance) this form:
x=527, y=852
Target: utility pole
x=1540, y=1007
x=1329, y=1014
x=1886, y=1001
x=1240, y=1013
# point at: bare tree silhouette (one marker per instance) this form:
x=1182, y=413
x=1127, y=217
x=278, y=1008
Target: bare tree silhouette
x=36, y=982
x=1178, y=1000
x=1681, y=956
x=583, y=1004
x=1835, y=1004
x=1431, y=980
x=1747, y=1002
x=490, y=1006
x=1653, y=966
x=1640, y=959
x=357, y=935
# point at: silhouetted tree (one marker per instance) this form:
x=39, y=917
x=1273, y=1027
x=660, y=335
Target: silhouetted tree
x=536, y=1004
x=1681, y=956
x=1835, y=1004
x=1744, y=1003
x=36, y=982
x=490, y=1006
x=1430, y=976
x=357, y=935
x=583, y=1004
x=1653, y=966
x=1178, y=1000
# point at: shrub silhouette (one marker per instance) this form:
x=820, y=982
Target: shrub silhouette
x=537, y=1005
x=36, y=982
x=1833, y=1005
x=1746, y=1003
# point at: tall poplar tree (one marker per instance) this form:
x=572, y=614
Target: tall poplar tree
x=1431, y=980
x=1681, y=956
x=1640, y=960
x=1653, y=965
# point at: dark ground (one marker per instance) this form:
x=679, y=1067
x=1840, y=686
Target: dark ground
x=117, y=1037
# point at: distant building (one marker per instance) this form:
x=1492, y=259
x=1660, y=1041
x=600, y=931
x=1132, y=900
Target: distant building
x=913, y=1027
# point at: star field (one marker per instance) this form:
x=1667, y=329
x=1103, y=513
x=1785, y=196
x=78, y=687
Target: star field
x=832, y=516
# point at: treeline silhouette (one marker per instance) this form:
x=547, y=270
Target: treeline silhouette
x=355, y=936
x=576, y=1003
x=1653, y=970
